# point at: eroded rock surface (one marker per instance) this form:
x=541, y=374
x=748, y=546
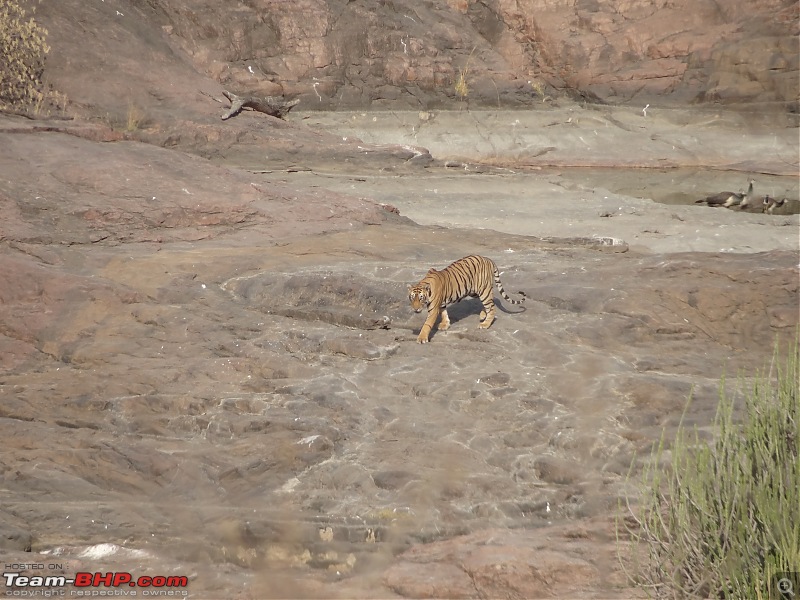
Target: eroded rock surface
x=243, y=399
x=213, y=371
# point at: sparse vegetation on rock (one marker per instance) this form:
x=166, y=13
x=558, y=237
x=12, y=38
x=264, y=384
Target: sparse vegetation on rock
x=461, y=86
x=722, y=520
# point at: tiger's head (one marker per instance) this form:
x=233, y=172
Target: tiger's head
x=419, y=295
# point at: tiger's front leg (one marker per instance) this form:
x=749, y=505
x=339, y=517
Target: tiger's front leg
x=445, y=322
x=425, y=332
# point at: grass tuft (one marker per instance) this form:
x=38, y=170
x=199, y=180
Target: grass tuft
x=722, y=519
x=462, y=87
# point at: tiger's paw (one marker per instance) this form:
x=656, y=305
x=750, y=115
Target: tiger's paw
x=422, y=340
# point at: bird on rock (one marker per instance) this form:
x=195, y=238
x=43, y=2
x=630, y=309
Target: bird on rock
x=728, y=199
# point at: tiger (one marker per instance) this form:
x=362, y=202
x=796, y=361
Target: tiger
x=472, y=276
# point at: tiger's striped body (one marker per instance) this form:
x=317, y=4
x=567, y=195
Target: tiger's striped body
x=473, y=276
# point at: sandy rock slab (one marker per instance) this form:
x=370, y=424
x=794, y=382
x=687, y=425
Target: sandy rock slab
x=560, y=561
x=224, y=382
x=80, y=192
x=239, y=410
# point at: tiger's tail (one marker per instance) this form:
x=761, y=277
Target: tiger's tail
x=503, y=292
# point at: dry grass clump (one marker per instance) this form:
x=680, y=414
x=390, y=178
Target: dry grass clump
x=462, y=87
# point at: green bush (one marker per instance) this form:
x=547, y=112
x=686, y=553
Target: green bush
x=723, y=518
x=22, y=55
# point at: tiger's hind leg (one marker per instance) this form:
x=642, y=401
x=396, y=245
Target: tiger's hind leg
x=487, y=314
x=445, y=322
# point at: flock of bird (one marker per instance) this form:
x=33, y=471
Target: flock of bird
x=742, y=200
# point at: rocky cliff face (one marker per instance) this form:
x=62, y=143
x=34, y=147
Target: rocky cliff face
x=425, y=54
x=682, y=50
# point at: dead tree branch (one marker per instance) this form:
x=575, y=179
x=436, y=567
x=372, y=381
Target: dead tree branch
x=275, y=107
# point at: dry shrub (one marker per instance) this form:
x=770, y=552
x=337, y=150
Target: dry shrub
x=22, y=56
